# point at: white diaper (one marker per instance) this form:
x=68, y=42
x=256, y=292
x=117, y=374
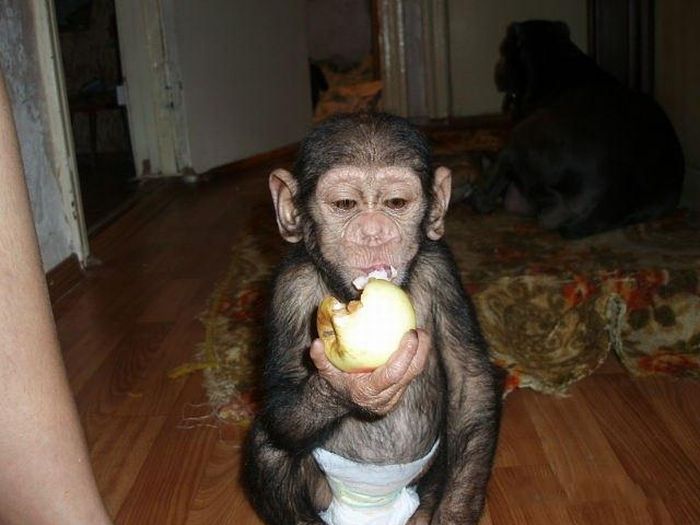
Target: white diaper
x=366, y=494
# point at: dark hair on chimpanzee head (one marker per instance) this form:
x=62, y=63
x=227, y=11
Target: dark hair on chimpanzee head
x=361, y=139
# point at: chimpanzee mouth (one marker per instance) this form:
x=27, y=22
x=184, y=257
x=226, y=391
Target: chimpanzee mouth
x=378, y=271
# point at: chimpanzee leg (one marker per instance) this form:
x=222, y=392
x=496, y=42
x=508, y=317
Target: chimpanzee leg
x=284, y=489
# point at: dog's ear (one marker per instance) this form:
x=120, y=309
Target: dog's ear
x=510, y=70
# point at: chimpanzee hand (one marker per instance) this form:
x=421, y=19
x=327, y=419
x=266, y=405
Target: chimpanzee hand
x=419, y=518
x=380, y=390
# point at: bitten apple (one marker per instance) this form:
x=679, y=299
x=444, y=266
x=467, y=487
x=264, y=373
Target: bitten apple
x=361, y=336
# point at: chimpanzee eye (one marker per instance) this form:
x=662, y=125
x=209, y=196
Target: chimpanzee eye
x=344, y=204
x=395, y=203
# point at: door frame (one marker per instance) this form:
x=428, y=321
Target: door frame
x=153, y=88
x=153, y=101
x=59, y=127
x=429, y=59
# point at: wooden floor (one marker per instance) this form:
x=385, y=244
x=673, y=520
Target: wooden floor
x=618, y=450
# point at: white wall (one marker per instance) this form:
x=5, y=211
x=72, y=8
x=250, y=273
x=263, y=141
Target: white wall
x=20, y=64
x=476, y=30
x=677, y=82
x=245, y=76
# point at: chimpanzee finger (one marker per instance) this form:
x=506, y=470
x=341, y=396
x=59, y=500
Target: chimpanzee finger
x=319, y=358
x=420, y=357
x=386, y=401
x=418, y=363
x=391, y=372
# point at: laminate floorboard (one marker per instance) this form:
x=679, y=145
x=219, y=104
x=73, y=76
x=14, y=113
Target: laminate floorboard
x=618, y=450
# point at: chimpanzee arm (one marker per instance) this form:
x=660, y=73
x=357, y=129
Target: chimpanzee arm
x=474, y=390
x=300, y=406
x=306, y=394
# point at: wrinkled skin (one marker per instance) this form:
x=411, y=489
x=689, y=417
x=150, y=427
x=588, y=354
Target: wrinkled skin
x=372, y=218
x=439, y=384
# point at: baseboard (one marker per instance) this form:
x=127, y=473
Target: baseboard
x=255, y=161
x=67, y=274
x=64, y=277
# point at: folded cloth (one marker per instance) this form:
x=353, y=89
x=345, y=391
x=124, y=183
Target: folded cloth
x=367, y=494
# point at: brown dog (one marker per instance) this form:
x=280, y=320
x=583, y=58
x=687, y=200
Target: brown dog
x=586, y=153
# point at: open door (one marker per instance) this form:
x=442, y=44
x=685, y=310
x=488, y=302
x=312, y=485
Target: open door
x=92, y=73
x=59, y=126
x=152, y=88
x=154, y=130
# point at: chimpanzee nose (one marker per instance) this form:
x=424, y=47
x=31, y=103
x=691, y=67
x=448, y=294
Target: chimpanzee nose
x=372, y=229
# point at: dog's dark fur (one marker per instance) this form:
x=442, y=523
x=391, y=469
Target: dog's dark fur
x=586, y=154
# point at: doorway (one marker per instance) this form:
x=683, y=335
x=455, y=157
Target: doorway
x=342, y=38
x=93, y=77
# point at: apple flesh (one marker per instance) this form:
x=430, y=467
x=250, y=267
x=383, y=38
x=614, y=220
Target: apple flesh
x=360, y=336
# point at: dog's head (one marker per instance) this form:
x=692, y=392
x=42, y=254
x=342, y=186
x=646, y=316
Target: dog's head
x=530, y=55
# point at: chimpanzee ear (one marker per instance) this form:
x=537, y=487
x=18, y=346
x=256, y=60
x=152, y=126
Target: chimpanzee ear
x=442, y=188
x=283, y=188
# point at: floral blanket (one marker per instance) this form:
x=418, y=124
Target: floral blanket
x=551, y=309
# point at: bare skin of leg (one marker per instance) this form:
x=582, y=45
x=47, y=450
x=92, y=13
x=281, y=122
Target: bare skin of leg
x=45, y=474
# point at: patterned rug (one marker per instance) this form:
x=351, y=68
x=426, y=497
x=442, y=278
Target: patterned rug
x=551, y=309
